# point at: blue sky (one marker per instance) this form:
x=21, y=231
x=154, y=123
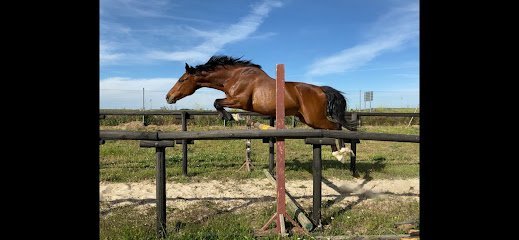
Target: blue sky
x=352, y=45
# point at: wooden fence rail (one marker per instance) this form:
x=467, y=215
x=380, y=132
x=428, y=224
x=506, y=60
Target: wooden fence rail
x=255, y=134
x=245, y=113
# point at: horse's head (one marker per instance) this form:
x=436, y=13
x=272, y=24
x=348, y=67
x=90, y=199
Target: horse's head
x=215, y=73
x=185, y=86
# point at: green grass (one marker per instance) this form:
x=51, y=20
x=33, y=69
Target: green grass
x=125, y=161
x=389, y=121
x=204, y=120
x=206, y=221
x=201, y=221
x=128, y=223
x=378, y=217
x=392, y=110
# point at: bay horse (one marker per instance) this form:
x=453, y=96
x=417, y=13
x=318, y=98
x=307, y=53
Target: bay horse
x=248, y=87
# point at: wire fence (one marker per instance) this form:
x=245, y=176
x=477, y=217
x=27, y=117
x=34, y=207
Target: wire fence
x=382, y=99
x=203, y=99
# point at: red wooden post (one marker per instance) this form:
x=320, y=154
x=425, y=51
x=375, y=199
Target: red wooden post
x=281, y=215
x=280, y=143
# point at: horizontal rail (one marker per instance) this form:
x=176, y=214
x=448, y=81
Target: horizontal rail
x=166, y=112
x=382, y=114
x=255, y=134
x=197, y=112
x=127, y=135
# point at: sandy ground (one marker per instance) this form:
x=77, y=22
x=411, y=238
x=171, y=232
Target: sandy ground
x=229, y=194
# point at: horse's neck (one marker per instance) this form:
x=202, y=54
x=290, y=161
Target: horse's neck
x=226, y=78
x=247, y=74
x=215, y=81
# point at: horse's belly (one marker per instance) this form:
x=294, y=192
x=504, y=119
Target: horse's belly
x=264, y=102
x=261, y=101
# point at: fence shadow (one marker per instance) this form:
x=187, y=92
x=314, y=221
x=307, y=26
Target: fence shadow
x=376, y=164
x=179, y=224
x=363, y=168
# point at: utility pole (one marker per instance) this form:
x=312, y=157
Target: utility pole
x=143, y=108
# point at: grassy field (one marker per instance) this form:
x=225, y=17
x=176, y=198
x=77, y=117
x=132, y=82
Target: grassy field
x=124, y=161
x=376, y=217
x=114, y=120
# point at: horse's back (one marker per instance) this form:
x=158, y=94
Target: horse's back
x=310, y=95
x=264, y=96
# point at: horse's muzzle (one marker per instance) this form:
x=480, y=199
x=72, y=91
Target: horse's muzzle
x=171, y=100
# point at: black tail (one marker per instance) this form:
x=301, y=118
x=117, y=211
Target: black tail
x=336, y=108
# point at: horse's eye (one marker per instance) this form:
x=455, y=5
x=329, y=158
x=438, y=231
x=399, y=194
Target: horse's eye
x=180, y=80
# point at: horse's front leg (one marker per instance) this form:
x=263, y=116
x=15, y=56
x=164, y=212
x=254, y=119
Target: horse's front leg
x=219, y=104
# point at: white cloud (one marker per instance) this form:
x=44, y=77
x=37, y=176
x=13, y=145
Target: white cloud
x=263, y=36
x=108, y=54
x=133, y=8
x=390, y=32
x=137, y=83
x=127, y=42
x=195, y=55
x=217, y=40
x=407, y=75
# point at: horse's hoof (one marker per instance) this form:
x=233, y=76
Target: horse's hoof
x=338, y=155
x=230, y=118
x=347, y=150
x=226, y=117
x=237, y=116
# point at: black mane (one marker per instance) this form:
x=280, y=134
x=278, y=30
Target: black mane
x=220, y=60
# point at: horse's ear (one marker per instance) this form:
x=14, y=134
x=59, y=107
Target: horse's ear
x=190, y=69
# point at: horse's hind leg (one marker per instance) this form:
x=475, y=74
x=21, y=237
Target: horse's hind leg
x=325, y=124
x=335, y=126
x=335, y=152
x=344, y=149
x=341, y=144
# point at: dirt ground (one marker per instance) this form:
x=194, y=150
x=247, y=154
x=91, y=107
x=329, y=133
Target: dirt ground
x=229, y=194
